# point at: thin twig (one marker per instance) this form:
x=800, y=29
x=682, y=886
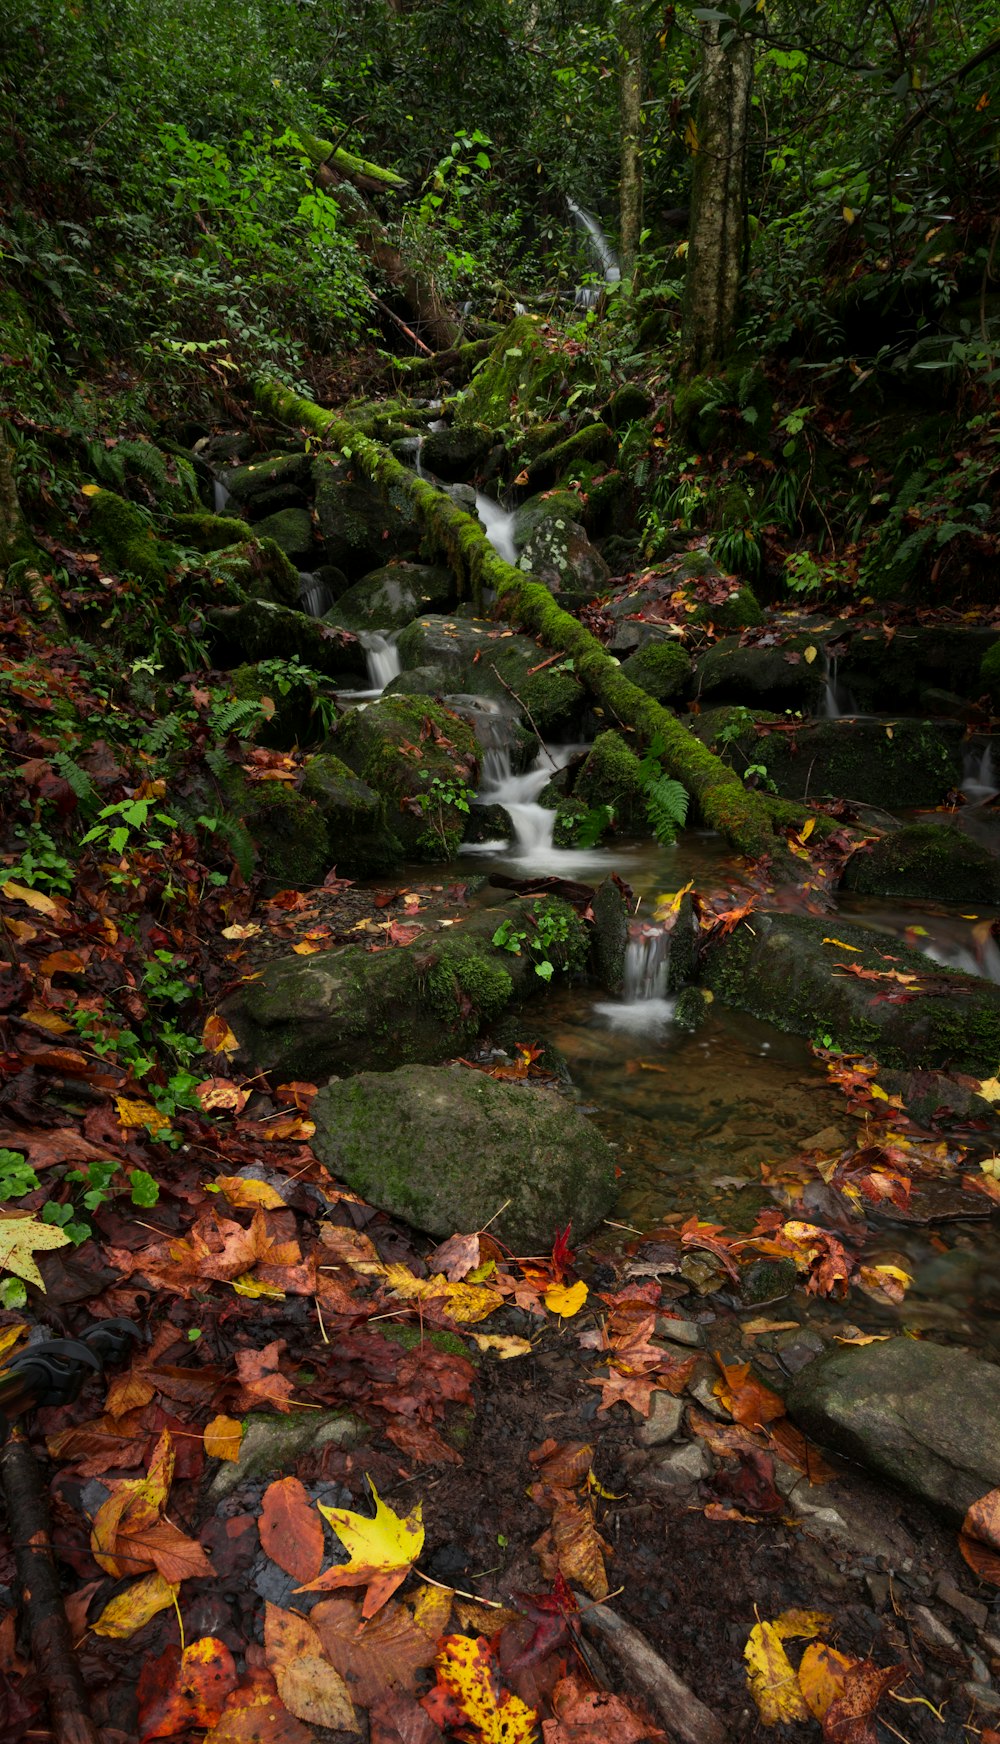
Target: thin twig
x=523, y=705
x=384, y=309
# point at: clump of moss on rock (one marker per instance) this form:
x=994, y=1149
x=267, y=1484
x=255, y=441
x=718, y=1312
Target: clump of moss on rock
x=205, y=532
x=402, y=747
x=256, y=568
x=926, y=860
x=661, y=668
x=288, y=832
x=127, y=539
x=610, y=776
x=359, y=841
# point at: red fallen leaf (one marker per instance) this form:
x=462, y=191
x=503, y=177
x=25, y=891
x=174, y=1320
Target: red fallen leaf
x=591, y=1716
x=747, y=1398
x=979, y=1540
x=291, y=1530
x=753, y=1484
x=421, y=1442
x=179, y=1690
x=399, y=1719
x=295, y=1095
x=849, y=1720
x=258, y=1372
x=706, y=1235
x=562, y=1255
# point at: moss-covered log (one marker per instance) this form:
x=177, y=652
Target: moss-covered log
x=370, y=177
x=743, y=817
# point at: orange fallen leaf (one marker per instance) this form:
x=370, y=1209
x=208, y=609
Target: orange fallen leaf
x=291, y=1531
x=222, y=1438
x=183, y=1689
x=217, y=1037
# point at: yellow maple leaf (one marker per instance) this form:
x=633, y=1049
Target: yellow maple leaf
x=34, y=899
x=222, y=1438
x=90, y=490
x=773, y=1683
x=989, y=1089
x=382, y=1550
x=468, y=1672
x=135, y=1114
x=465, y=1302
x=131, y=1610
x=246, y=1193
x=217, y=1037
x=20, y=1238
x=502, y=1347
x=566, y=1299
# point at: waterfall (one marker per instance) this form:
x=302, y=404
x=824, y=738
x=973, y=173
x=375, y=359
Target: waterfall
x=837, y=699
x=644, y=1004
x=315, y=597
x=499, y=527
x=587, y=296
x=533, y=824
x=221, y=498
x=979, y=783
x=381, y=657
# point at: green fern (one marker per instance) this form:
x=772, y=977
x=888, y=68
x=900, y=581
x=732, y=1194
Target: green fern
x=217, y=761
x=239, y=841
x=75, y=777
x=666, y=809
x=239, y=716
x=163, y=735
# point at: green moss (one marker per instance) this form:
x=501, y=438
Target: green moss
x=287, y=831
x=926, y=860
x=256, y=568
x=628, y=404
x=126, y=538
x=289, y=724
x=592, y=442
x=661, y=668
x=410, y=1337
x=204, y=532
x=400, y=746
x=522, y=373
x=468, y=985
x=610, y=776
x=990, y=672
x=569, y=815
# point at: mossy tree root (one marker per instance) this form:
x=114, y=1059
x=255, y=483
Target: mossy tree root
x=743, y=817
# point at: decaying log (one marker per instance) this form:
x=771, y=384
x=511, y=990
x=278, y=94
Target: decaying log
x=684, y=1716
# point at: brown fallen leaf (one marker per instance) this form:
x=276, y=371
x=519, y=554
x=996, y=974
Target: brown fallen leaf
x=592, y=1716
x=388, y=1651
x=291, y=1531
x=307, y=1683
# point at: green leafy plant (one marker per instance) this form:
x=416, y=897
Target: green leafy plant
x=666, y=800
x=593, y=824
x=441, y=797
x=549, y=930
x=16, y=1176
x=95, y=1186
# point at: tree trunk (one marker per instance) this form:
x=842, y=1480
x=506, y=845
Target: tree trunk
x=717, y=233
x=750, y=821
x=630, y=188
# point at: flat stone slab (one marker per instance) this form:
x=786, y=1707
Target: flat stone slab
x=924, y=1415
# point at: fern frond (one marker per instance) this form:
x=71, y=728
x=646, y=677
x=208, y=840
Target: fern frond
x=217, y=761
x=237, y=717
x=75, y=777
x=666, y=808
x=163, y=734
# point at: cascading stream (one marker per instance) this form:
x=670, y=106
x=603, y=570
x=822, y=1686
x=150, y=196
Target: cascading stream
x=381, y=658
x=644, y=1004
x=498, y=525
x=587, y=295
x=979, y=782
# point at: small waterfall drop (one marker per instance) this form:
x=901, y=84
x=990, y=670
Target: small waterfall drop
x=315, y=597
x=499, y=527
x=587, y=296
x=644, y=1004
x=979, y=782
x=837, y=699
x=221, y=498
x=381, y=657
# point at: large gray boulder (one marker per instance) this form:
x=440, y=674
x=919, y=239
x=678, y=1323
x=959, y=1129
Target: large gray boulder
x=445, y=1149
x=820, y=977
x=479, y=656
x=926, y=1416
x=390, y=598
x=559, y=554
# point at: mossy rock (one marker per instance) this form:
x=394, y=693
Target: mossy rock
x=271, y=1444
x=127, y=540
x=785, y=675
x=205, y=532
x=611, y=922
x=261, y=630
x=359, y=841
x=523, y=373
x=710, y=411
x=161, y=478
x=694, y=1005
x=355, y=1010
x=559, y=554
x=421, y=681
x=926, y=860
x=390, y=598
x=553, y=697
x=590, y=442
x=285, y=474
x=401, y=747
x=361, y=526
x=292, y=531
x=782, y=968
x=451, y=1149
x=532, y=515
x=662, y=669
x=627, y=405
x=287, y=718
x=610, y=776
x=456, y=455
x=990, y=673
x=258, y=569
x=895, y=764
x=288, y=832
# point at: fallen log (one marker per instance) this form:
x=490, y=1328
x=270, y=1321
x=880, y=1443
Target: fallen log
x=667, y=1695
x=745, y=818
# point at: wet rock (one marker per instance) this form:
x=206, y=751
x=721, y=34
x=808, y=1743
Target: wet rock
x=780, y=969
x=676, y=1330
x=379, y=743
x=778, y=676
x=263, y=630
x=359, y=841
x=278, y=478
x=355, y=1010
x=610, y=776
x=390, y=598
x=292, y=532
x=662, y=669
x=457, y=454
x=285, y=832
x=664, y=1420
x=272, y=1443
x=682, y=961
x=692, y=1009
x=926, y=860
x=627, y=404
x=559, y=554
x=683, y=1466
x=971, y=1609
x=478, y=656
x=924, y=1415
x=204, y=532
x=611, y=918
x=590, y=442
x=361, y=527
x=445, y=1149
x=892, y=763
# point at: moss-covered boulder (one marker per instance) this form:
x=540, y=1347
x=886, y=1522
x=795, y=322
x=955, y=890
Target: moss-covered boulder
x=287, y=831
x=926, y=860
x=422, y=760
x=128, y=541
x=287, y=711
x=627, y=405
x=559, y=554
x=390, y=598
x=359, y=841
x=485, y=658
x=780, y=675
x=292, y=532
x=258, y=569
x=449, y=1149
x=591, y=442
x=610, y=776
x=894, y=764
x=663, y=669
x=353, y=1010
x=260, y=630
x=789, y=970
x=274, y=482
x=456, y=455
x=205, y=532
x=361, y=526
x=525, y=371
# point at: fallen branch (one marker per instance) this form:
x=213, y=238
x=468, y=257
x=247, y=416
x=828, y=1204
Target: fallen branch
x=677, y=1706
x=523, y=705
x=746, y=819
x=384, y=309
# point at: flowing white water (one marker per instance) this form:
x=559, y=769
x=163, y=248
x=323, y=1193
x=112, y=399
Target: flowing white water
x=381, y=658
x=603, y=251
x=644, y=1004
x=315, y=597
x=498, y=524
x=221, y=498
x=837, y=699
x=979, y=782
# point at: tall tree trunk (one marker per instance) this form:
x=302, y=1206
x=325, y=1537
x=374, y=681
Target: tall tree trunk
x=718, y=219
x=630, y=188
